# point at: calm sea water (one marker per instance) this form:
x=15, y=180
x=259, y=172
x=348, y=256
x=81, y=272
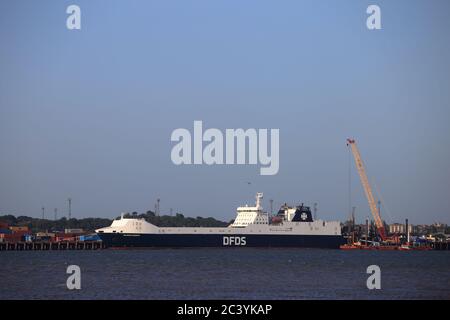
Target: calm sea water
x=224, y=274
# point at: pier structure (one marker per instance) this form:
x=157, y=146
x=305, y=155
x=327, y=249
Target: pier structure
x=47, y=245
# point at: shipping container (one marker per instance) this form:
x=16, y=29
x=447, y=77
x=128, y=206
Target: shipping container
x=65, y=237
x=90, y=237
x=5, y=231
x=11, y=237
x=19, y=228
x=45, y=234
x=21, y=233
x=74, y=231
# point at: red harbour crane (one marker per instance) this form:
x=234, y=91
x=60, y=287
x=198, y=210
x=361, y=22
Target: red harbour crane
x=367, y=189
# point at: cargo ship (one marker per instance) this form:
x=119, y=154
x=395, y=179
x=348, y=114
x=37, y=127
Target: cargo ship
x=292, y=226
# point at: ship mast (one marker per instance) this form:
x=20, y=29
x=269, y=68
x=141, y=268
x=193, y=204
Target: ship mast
x=259, y=196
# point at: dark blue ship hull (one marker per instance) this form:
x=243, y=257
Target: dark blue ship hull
x=220, y=240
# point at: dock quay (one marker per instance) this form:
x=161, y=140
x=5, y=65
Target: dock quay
x=47, y=245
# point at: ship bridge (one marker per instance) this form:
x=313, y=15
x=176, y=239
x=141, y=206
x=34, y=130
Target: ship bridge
x=251, y=215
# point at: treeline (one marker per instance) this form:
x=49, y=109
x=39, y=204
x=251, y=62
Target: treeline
x=36, y=225
x=178, y=220
x=90, y=224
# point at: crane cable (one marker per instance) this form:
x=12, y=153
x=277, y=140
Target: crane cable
x=349, y=182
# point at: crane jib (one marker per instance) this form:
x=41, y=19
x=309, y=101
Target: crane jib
x=367, y=188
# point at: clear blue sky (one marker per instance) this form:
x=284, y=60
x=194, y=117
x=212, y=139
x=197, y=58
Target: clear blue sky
x=88, y=114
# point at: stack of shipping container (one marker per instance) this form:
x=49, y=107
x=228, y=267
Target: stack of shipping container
x=24, y=234
x=14, y=233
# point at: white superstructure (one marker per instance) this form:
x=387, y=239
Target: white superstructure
x=251, y=215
